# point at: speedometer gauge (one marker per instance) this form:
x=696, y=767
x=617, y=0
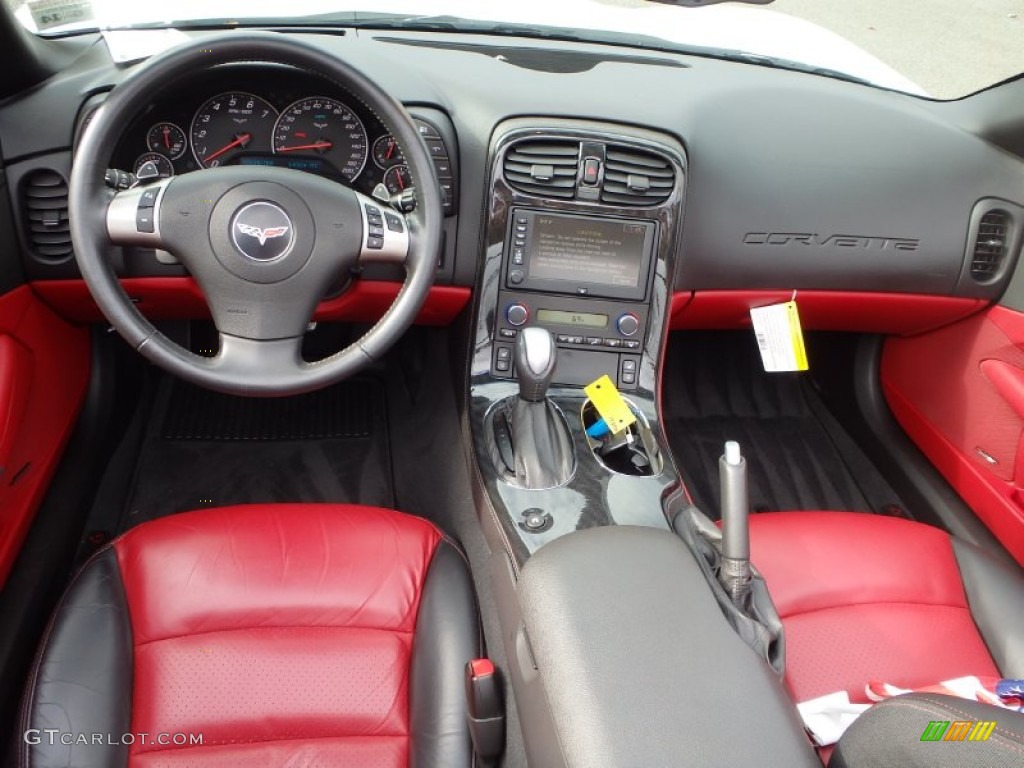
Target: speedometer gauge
x=321, y=126
x=228, y=124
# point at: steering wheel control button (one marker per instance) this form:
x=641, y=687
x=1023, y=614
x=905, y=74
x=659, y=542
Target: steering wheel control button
x=394, y=222
x=517, y=314
x=148, y=198
x=133, y=216
x=144, y=220
x=262, y=231
x=382, y=243
x=628, y=324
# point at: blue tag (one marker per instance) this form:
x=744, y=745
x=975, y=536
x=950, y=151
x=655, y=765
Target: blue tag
x=1010, y=689
x=598, y=429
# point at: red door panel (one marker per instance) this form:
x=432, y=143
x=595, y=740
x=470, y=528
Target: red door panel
x=44, y=370
x=959, y=393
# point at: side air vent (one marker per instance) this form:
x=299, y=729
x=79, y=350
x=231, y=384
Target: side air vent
x=990, y=245
x=543, y=167
x=636, y=177
x=45, y=195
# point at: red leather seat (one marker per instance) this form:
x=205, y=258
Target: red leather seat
x=298, y=635
x=864, y=597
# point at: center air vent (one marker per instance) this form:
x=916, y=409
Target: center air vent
x=544, y=167
x=46, y=206
x=990, y=245
x=636, y=177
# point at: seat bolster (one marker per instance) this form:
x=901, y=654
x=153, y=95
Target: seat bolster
x=995, y=595
x=82, y=679
x=891, y=734
x=447, y=637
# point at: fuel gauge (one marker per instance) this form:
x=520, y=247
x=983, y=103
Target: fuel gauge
x=398, y=179
x=167, y=139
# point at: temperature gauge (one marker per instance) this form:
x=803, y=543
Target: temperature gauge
x=398, y=179
x=386, y=152
x=167, y=139
x=162, y=163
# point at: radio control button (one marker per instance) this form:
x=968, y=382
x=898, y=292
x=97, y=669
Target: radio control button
x=628, y=324
x=562, y=338
x=613, y=342
x=575, y=339
x=594, y=341
x=515, y=276
x=631, y=344
x=517, y=314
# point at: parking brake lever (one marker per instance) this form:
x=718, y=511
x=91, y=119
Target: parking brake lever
x=735, y=570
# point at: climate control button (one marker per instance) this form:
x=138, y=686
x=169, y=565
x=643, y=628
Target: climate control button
x=628, y=324
x=517, y=314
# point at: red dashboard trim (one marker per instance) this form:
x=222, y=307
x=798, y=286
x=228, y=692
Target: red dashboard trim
x=895, y=313
x=169, y=298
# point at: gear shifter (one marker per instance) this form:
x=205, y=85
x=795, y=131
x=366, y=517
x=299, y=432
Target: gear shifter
x=535, y=363
x=542, y=449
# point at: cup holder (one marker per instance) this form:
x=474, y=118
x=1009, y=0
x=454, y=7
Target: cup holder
x=633, y=451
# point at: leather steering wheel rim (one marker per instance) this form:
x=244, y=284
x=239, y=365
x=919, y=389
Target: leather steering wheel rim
x=258, y=363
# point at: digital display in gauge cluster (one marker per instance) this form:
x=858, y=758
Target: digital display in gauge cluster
x=276, y=126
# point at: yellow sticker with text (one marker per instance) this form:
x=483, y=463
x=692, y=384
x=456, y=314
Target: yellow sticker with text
x=609, y=404
x=780, y=337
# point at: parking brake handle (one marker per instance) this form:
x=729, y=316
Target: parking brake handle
x=735, y=568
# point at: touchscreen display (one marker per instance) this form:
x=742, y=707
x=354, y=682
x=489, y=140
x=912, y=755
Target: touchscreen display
x=587, y=250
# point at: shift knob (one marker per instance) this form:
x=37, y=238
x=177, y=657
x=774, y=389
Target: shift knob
x=535, y=363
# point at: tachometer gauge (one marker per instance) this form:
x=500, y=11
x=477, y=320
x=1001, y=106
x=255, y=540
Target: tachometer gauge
x=167, y=139
x=326, y=127
x=398, y=179
x=162, y=163
x=228, y=124
x=386, y=152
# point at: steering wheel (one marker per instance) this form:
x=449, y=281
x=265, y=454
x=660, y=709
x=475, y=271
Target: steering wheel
x=264, y=243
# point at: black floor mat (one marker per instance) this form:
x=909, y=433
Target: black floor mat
x=798, y=456
x=203, y=449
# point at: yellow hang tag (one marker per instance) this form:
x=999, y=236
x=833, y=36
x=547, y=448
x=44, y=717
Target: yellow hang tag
x=609, y=404
x=780, y=337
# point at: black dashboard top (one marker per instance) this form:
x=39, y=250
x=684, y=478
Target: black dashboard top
x=794, y=180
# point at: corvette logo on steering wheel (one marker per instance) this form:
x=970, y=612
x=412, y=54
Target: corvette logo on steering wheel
x=262, y=231
x=262, y=234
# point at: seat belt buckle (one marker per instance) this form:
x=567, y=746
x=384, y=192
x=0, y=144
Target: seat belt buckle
x=485, y=710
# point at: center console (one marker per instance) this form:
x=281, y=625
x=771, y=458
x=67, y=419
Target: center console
x=583, y=222
x=585, y=278
x=624, y=642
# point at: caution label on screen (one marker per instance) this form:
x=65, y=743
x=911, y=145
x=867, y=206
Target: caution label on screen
x=780, y=337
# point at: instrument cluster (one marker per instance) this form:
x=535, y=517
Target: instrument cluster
x=281, y=117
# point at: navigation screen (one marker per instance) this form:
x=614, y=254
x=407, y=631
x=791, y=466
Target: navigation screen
x=587, y=250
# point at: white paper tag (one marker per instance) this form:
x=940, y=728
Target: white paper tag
x=827, y=717
x=56, y=13
x=779, y=337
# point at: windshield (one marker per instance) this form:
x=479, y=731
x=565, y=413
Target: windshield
x=944, y=49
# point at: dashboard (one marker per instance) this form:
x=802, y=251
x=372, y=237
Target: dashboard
x=793, y=181
x=275, y=116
